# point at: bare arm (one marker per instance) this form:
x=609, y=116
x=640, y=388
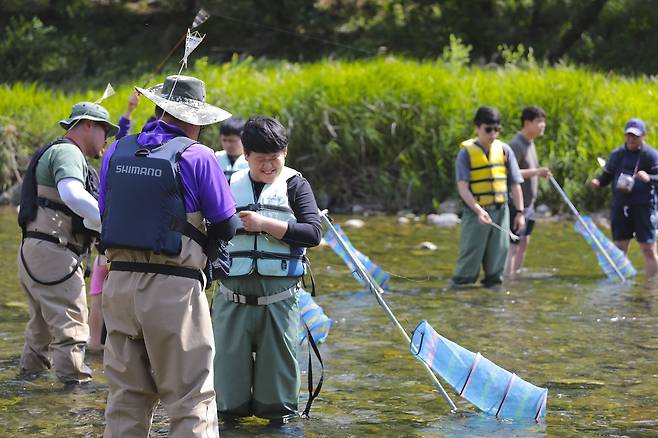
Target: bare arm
x=469, y=200
x=538, y=171
x=517, y=199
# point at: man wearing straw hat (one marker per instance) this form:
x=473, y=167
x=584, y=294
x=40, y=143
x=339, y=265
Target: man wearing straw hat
x=59, y=218
x=159, y=189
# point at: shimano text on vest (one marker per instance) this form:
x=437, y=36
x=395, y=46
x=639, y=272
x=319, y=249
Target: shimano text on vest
x=137, y=170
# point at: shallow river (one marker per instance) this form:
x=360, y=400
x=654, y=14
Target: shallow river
x=592, y=342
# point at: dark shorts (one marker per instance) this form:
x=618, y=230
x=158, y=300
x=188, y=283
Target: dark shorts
x=637, y=221
x=529, y=214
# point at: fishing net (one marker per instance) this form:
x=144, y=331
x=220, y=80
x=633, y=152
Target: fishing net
x=616, y=255
x=378, y=274
x=492, y=389
x=314, y=317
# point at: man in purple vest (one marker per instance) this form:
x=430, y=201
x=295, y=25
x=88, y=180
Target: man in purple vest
x=164, y=202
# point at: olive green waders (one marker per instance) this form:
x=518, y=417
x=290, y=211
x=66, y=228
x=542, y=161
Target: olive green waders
x=482, y=245
x=256, y=369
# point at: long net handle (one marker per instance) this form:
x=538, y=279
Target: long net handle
x=377, y=292
x=584, y=224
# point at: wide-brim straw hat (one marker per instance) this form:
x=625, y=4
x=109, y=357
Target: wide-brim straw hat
x=187, y=102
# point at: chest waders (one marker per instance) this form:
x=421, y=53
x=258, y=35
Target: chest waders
x=29, y=208
x=262, y=254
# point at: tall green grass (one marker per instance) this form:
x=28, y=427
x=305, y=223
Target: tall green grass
x=386, y=131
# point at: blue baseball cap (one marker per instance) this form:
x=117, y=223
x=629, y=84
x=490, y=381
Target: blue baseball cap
x=636, y=127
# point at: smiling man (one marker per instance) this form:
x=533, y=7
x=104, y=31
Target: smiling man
x=633, y=171
x=255, y=311
x=485, y=169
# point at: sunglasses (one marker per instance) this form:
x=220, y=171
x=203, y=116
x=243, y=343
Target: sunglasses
x=106, y=129
x=496, y=128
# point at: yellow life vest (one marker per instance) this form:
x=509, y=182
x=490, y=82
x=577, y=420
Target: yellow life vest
x=488, y=179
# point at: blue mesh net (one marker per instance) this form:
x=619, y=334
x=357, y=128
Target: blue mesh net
x=378, y=274
x=492, y=389
x=616, y=255
x=315, y=319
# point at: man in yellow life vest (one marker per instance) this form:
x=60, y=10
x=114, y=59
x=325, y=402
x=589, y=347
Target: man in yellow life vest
x=485, y=168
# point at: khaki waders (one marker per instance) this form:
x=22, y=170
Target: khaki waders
x=58, y=313
x=159, y=346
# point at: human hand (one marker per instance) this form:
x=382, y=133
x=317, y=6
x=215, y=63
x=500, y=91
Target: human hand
x=544, y=172
x=595, y=183
x=519, y=223
x=643, y=176
x=484, y=217
x=252, y=221
x=133, y=101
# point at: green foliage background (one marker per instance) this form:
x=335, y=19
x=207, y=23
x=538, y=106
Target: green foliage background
x=385, y=131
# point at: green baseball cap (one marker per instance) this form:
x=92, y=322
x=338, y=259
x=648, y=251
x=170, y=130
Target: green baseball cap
x=89, y=111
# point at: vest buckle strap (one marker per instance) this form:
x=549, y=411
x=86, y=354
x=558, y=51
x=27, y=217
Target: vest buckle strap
x=57, y=240
x=234, y=297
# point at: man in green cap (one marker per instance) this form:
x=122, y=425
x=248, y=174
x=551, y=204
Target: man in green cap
x=59, y=218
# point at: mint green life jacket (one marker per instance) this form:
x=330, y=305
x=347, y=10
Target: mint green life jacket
x=230, y=168
x=261, y=252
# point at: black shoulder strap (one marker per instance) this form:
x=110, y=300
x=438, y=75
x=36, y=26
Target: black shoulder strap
x=180, y=145
x=28, y=202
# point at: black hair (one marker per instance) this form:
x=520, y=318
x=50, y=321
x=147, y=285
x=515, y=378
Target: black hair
x=486, y=115
x=265, y=135
x=157, y=114
x=531, y=113
x=232, y=126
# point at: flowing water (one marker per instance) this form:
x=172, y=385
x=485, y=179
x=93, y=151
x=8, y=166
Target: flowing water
x=592, y=342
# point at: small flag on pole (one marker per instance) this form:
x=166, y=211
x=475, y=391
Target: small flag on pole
x=200, y=18
x=378, y=274
x=192, y=41
x=109, y=91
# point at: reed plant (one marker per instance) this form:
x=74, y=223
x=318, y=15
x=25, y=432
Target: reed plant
x=385, y=131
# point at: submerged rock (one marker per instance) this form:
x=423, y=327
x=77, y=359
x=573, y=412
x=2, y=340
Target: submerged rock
x=443, y=219
x=354, y=223
x=450, y=205
x=429, y=246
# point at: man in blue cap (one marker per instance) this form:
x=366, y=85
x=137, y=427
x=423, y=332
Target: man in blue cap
x=633, y=171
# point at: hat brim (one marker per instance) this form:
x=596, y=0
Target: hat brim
x=112, y=128
x=193, y=112
x=635, y=131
